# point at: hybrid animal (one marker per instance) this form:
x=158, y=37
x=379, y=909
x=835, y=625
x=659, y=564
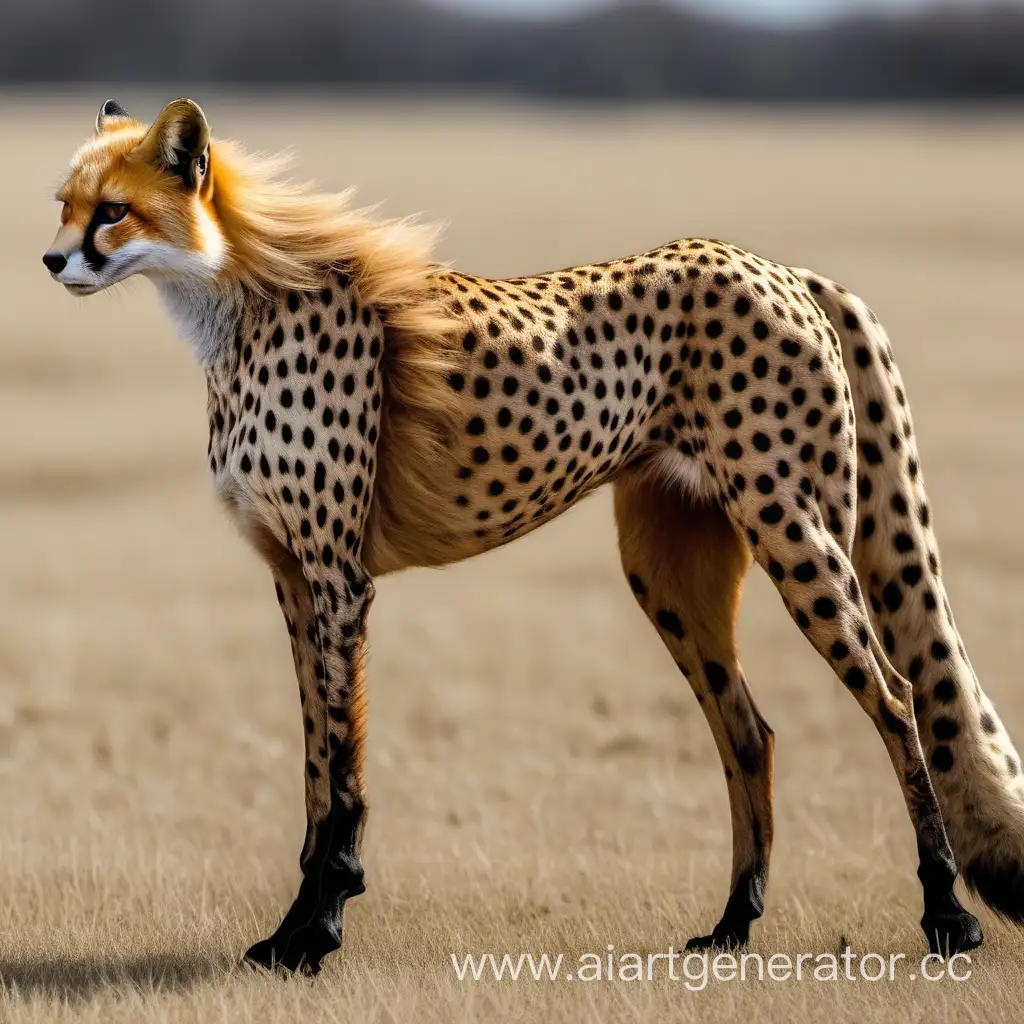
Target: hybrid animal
x=370, y=410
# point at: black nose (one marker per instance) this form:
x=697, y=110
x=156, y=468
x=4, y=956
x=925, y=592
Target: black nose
x=55, y=262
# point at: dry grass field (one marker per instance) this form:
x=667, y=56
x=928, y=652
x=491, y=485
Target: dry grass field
x=541, y=778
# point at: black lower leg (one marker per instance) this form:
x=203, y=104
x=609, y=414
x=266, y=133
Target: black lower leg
x=331, y=875
x=331, y=870
x=947, y=926
x=745, y=904
x=749, y=771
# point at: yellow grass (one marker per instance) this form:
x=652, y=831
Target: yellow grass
x=541, y=777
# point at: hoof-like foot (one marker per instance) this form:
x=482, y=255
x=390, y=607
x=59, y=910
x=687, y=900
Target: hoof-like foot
x=746, y=904
x=300, y=951
x=725, y=936
x=955, y=931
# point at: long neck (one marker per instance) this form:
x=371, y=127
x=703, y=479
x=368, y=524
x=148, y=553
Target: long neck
x=206, y=314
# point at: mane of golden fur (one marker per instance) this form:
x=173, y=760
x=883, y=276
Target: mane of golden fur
x=282, y=235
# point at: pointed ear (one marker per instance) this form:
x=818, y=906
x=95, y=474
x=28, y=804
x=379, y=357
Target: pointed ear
x=178, y=142
x=110, y=111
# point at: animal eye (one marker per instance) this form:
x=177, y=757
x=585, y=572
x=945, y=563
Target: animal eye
x=65, y=213
x=111, y=213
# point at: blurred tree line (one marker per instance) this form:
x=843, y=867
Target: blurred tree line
x=636, y=49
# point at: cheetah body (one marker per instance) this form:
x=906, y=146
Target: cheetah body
x=369, y=412
x=559, y=382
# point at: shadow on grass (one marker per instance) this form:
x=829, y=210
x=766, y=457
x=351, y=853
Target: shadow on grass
x=78, y=977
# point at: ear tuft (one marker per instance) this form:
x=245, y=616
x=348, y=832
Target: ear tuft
x=178, y=141
x=111, y=110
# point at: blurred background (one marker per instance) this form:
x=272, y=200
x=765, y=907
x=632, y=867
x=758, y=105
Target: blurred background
x=633, y=49
x=540, y=776
x=762, y=50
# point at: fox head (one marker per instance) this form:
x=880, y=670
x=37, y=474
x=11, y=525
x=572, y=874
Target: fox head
x=138, y=200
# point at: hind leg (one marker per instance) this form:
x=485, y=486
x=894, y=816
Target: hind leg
x=818, y=584
x=686, y=567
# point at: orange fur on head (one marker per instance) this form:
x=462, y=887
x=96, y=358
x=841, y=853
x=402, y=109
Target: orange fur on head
x=222, y=220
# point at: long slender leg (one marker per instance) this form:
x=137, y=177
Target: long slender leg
x=779, y=446
x=971, y=757
x=296, y=601
x=819, y=586
x=310, y=458
x=686, y=566
x=328, y=638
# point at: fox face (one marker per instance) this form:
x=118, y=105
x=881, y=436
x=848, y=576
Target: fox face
x=138, y=200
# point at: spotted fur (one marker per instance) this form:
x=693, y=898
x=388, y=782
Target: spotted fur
x=974, y=766
x=369, y=411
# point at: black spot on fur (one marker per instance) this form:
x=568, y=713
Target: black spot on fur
x=718, y=678
x=669, y=621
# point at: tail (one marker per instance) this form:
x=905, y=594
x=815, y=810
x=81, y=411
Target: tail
x=974, y=767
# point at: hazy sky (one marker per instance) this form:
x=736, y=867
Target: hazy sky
x=764, y=10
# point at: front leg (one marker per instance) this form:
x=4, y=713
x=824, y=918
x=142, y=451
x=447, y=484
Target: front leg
x=326, y=614
x=303, y=460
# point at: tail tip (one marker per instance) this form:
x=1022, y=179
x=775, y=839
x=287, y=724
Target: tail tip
x=999, y=883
